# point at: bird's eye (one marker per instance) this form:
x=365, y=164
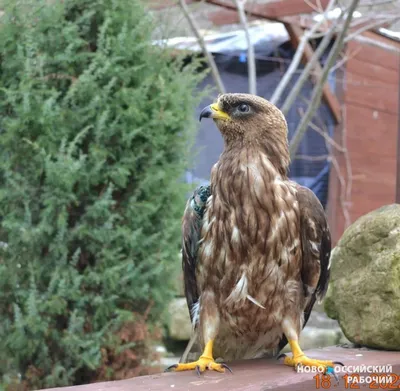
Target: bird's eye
x=243, y=108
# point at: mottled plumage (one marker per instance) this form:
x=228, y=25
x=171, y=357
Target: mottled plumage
x=256, y=245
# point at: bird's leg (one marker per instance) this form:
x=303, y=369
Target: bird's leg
x=206, y=361
x=298, y=357
x=209, y=323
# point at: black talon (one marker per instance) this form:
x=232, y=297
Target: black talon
x=198, y=370
x=223, y=365
x=280, y=356
x=338, y=363
x=171, y=367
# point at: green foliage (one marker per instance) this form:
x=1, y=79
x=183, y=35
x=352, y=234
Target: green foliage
x=95, y=123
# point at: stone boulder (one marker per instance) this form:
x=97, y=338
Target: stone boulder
x=179, y=325
x=364, y=292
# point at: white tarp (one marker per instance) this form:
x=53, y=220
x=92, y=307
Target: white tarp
x=264, y=37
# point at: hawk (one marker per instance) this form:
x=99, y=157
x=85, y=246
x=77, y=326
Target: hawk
x=256, y=246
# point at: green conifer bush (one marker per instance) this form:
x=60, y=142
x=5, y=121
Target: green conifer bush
x=95, y=122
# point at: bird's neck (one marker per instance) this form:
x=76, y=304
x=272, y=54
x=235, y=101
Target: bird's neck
x=277, y=152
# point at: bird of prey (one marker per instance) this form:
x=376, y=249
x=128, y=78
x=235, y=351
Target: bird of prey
x=256, y=246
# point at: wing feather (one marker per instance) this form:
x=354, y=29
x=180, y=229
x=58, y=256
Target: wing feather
x=315, y=242
x=316, y=250
x=191, y=235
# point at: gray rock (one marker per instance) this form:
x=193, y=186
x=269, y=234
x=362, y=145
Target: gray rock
x=179, y=326
x=313, y=337
x=364, y=293
x=322, y=321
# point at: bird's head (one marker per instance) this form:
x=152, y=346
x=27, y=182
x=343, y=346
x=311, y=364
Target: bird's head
x=247, y=117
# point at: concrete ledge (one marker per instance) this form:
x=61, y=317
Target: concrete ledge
x=256, y=375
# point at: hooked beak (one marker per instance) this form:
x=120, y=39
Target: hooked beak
x=213, y=111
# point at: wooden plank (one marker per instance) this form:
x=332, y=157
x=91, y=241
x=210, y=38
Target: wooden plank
x=337, y=222
x=336, y=218
x=308, y=22
x=368, y=180
x=252, y=375
x=374, y=72
x=372, y=152
x=372, y=130
x=370, y=83
x=382, y=38
x=367, y=92
x=295, y=34
x=374, y=54
x=274, y=10
x=279, y=9
x=370, y=136
x=372, y=78
x=225, y=16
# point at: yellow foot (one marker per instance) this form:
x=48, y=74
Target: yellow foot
x=325, y=366
x=200, y=366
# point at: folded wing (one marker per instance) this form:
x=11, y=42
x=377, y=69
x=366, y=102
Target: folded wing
x=316, y=250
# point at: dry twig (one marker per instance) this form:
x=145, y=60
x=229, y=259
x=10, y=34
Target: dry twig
x=200, y=40
x=295, y=91
x=312, y=158
x=317, y=92
x=374, y=24
x=345, y=181
x=251, y=61
x=298, y=55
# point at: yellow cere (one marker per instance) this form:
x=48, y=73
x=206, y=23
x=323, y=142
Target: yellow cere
x=217, y=113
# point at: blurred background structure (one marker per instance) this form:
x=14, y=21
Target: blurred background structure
x=341, y=101
x=100, y=146
x=348, y=153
